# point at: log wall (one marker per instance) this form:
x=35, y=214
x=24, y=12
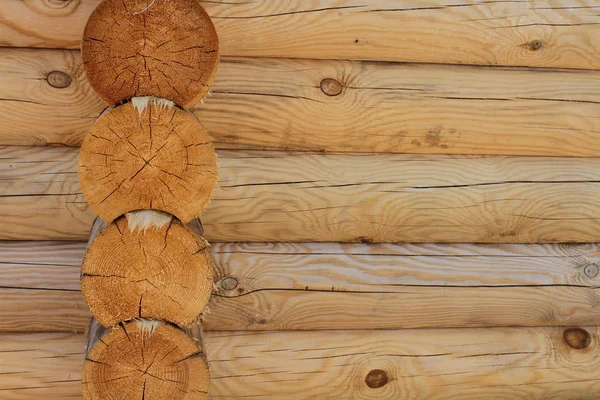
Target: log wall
x=307, y=112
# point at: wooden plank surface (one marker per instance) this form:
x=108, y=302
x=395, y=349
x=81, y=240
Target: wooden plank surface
x=383, y=107
x=33, y=112
x=465, y=364
x=304, y=197
x=540, y=33
x=373, y=286
x=315, y=286
x=40, y=289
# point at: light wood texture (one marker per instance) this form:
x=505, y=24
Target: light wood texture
x=41, y=366
x=40, y=282
x=35, y=113
x=279, y=104
x=302, y=197
x=168, y=49
x=157, y=158
x=496, y=363
x=310, y=286
x=542, y=33
x=373, y=286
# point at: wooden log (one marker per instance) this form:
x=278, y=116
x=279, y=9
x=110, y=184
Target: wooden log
x=28, y=98
x=41, y=365
x=145, y=360
x=157, y=158
x=449, y=364
x=546, y=33
x=163, y=271
x=373, y=286
x=40, y=282
x=300, y=197
x=310, y=286
x=164, y=49
x=382, y=107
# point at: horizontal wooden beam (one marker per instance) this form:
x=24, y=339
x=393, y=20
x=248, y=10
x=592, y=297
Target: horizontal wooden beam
x=544, y=34
x=313, y=286
x=381, y=107
x=303, y=197
x=496, y=363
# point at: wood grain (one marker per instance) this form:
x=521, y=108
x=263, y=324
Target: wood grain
x=304, y=197
x=545, y=33
x=373, y=286
x=35, y=113
x=41, y=366
x=382, y=107
x=315, y=286
x=500, y=363
x=40, y=287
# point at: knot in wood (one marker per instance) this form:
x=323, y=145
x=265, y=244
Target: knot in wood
x=376, y=378
x=229, y=283
x=577, y=338
x=58, y=79
x=591, y=270
x=535, y=45
x=331, y=87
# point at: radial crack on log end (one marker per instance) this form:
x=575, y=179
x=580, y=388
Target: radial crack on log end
x=131, y=364
x=162, y=160
x=161, y=273
x=168, y=50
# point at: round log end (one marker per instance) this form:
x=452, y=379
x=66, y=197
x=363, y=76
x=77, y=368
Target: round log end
x=150, y=363
x=167, y=49
x=158, y=158
x=161, y=272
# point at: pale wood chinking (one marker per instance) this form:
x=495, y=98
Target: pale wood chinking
x=167, y=49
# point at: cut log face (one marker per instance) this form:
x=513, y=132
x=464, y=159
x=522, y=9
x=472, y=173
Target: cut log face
x=133, y=362
x=159, y=158
x=159, y=273
x=167, y=49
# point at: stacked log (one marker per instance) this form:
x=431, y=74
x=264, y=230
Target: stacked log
x=147, y=168
x=143, y=360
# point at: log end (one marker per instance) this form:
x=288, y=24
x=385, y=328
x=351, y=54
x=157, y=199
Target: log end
x=167, y=49
x=163, y=272
x=159, y=158
x=149, y=361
